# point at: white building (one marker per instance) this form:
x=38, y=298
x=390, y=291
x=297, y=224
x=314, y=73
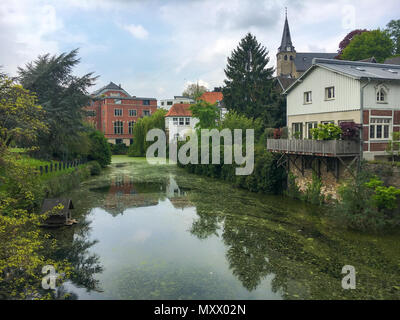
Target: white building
x=335, y=91
x=168, y=103
x=179, y=122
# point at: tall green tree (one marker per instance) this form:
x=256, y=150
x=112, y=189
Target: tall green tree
x=194, y=91
x=375, y=43
x=62, y=95
x=393, y=28
x=249, y=83
x=207, y=113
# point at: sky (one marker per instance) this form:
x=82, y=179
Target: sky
x=155, y=48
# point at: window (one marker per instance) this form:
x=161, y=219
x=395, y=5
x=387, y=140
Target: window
x=187, y=121
x=310, y=126
x=118, y=127
x=380, y=128
x=169, y=103
x=117, y=101
x=307, y=97
x=285, y=58
x=132, y=113
x=175, y=121
x=381, y=95
x=146, y=113
x=130, y=126
x=327, y=122
x=91, y=113
x=181, y=121
x=162, y=103
x=291, y=58
x=330, y=93
x=118, y=112
x=146, y=102
x=118, y=141
x=297, y=130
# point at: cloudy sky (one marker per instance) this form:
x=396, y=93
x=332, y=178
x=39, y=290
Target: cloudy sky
x=154, y=48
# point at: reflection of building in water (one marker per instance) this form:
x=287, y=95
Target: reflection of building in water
x=125, y=193
x=177, y=195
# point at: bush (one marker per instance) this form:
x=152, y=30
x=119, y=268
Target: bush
x=119, y=149
x=326, y=132
x=94, y=168
x=99, y=148
x=313, y=193
x=293, y=190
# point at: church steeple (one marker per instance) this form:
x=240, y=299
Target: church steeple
x=286, y=44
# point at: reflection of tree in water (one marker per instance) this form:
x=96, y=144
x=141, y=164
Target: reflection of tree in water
x=73, y=246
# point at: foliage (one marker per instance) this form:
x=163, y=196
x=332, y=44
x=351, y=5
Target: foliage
x=375, y=43
x=234, y=120
x=249, y=85
x=194, y=91
x=366, y=205
x=313, y=192
x=393, y=147
x=62, y=95
x=293, y=190
x=207, y=113
x=95, y=168
x=21, y=119
x=119, y=148
x=350, y=131
x=326, y=132
x=347, y=39
x=99, y=148
x=139, y=146
x=393, y=29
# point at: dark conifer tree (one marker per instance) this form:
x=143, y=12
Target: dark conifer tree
x=249, y=85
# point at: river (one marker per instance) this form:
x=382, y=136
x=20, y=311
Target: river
x=157, y=232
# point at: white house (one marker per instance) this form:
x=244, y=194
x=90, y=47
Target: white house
x=179, y=122
x=168, y=103
x=335, y=91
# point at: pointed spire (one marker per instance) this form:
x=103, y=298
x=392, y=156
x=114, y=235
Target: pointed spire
x=286, y=44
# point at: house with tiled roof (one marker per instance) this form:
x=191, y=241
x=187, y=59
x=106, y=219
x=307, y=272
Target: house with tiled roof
x=179, y=122
x=215, y=97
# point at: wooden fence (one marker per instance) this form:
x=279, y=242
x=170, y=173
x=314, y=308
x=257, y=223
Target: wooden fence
x=334, y=148
x=59, y=166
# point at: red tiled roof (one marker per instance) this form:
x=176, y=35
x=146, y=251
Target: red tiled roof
x=179, y=110
x=212, y=97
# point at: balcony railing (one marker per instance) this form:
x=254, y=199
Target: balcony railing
x=334, y=148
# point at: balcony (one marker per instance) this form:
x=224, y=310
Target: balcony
x=334, y=148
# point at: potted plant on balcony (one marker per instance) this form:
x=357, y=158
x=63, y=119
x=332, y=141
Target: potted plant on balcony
x=326, y=132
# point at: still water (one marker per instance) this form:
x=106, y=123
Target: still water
x=157, y=232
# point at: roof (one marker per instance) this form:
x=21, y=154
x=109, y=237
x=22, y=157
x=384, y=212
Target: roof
x=395, y=60
x=285, y=82
x=212, y=97
x=354, y=69
x=110, y=87
x=182, y=97
x=179, y=110
x=49, y=204
x=372, y=60
x=303, y=60
x=286, y=39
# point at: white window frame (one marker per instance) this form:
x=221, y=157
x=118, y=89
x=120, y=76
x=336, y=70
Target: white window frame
x=301, y=125
x=175, y=121
x=117, y=111
x=333, y=93
x=375, y=122
x=187, y=121
x=381, y=93
x=146, y=115
x=118, y=129
x=131, y=111
x=131, y=124
x=314, y=125
x=308, y=97
x=181, y=121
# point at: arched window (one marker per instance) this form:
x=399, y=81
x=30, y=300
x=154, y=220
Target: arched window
x=118, y=127
x=381, y=95
x=285, y=57
x=130, y=126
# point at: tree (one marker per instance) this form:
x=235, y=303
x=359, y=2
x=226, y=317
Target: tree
x=194, y=91
x=393, y=29
x=21, y=119
x=99, y=148
x=62, y=96
x=249, y=83
x=347, y=39
x=375, y=43
x=207, y=113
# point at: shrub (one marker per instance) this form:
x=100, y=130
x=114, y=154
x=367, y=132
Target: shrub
x=293, y=190
x=95, y=168
x=326, y=132
x=313, y=193
x=99, y=148
x=119, y=149
x=350, y=131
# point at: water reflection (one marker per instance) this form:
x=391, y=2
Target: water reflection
x=159, y=233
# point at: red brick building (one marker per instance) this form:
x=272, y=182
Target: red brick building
x=114, y=112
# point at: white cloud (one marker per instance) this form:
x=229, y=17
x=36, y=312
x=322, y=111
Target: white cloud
x=136, y=30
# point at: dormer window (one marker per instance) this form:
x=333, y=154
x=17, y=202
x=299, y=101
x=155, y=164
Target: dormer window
x=381, y=95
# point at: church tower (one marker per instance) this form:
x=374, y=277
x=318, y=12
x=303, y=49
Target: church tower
x=286, y=55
